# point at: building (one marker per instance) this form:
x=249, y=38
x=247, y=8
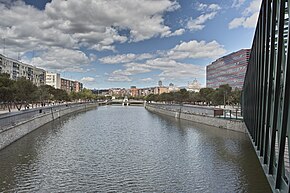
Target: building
x=229, y=69
x=71, y=85
x=17, y=69
x=53, y=79
x=77, y=86
x=160, y=90
x=160, y=83
x=173, y=88
x=118, y=92
x=134, y=91
x=193, y=86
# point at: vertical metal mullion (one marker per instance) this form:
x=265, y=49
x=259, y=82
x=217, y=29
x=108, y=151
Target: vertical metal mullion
x=270, y=78
x=266, y=80
x=280, y=46
x=262, y=85
x=258, y=66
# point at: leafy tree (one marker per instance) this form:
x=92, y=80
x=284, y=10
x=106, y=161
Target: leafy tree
x=6, y=90
x=60, y=95
x=205, y=95
x=25, y=92
x=45, y=93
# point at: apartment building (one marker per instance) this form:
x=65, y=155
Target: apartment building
x=17, y=69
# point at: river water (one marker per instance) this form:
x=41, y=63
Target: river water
x=128, y=149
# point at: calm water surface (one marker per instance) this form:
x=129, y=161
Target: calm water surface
x=128, y=149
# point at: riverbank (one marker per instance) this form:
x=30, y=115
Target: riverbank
x=16, y=125
x=184, y=113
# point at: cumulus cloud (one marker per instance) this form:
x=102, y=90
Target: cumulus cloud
x=119, y=78
x=146, y=79
x=125, y=58
x=168, y=62
x=249, y=17
x=209, y=12
x=88, y=79
x=60, y=60
x=195, y=49
x=62, y=25
x=238, y=3
x=199, y=22
x=207, y=7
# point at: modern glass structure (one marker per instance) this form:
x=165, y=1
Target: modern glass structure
x=229, y=69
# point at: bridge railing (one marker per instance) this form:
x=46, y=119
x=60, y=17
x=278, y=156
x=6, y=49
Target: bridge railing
x=200, y=110
x=266, y=93
x=13, y=118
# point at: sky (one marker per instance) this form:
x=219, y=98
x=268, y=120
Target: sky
x=123, y=43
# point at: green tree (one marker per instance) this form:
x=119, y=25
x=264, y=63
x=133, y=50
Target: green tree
x=205, y=95
x=60, y=95
x=25, y=92
x=6, y=90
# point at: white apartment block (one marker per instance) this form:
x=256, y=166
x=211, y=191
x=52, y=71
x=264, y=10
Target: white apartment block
x=53, y=79
x=17, y=69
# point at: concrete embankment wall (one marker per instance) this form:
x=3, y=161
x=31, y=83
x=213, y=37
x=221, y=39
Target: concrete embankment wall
x=14, y=130
x=235, y=125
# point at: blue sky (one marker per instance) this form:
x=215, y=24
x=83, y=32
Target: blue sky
x=120, y=43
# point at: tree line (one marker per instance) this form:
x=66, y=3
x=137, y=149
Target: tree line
x=224, y=95
x=22, y=92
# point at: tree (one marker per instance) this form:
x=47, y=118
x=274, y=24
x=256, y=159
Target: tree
x=25, y=92
x=60, y=95
x=45, y=93
x=6, y=90
x=206, y=95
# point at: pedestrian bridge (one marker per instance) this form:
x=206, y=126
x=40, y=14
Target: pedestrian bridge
x=123, y=102
x=266, y=93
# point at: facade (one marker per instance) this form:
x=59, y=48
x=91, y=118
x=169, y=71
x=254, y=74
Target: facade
x=229, y=69
x=67, y=85
x=53, y=79
x=77, y=86
x=173, y=88
x=134, y=92
x=193, y=86
x=119, y=92
x=17, y=69
x=160, y=90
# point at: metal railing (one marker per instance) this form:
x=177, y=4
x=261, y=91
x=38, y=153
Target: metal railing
x=266, y=93
x=201, y=110
x=13, y=118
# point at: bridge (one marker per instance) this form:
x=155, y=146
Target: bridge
x=266, y=93
x=124, y=102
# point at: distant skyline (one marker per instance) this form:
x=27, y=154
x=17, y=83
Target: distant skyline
x=120, y=43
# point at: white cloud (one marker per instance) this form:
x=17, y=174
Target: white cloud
x=199, y=22
x=209, y=11
x=119, y=79
x=62, y=25
x=146, y=79
x=207, y=7
x=249, y=18
x=125, y=58
x=60, y=59
x=166, y=61
x=176, y=33
x=88, y=79
x=238, y=3
x=195, y=49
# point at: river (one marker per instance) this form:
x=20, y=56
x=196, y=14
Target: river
x=128, y=149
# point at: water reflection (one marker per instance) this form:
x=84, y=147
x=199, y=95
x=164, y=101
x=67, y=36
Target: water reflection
x=127, y=149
